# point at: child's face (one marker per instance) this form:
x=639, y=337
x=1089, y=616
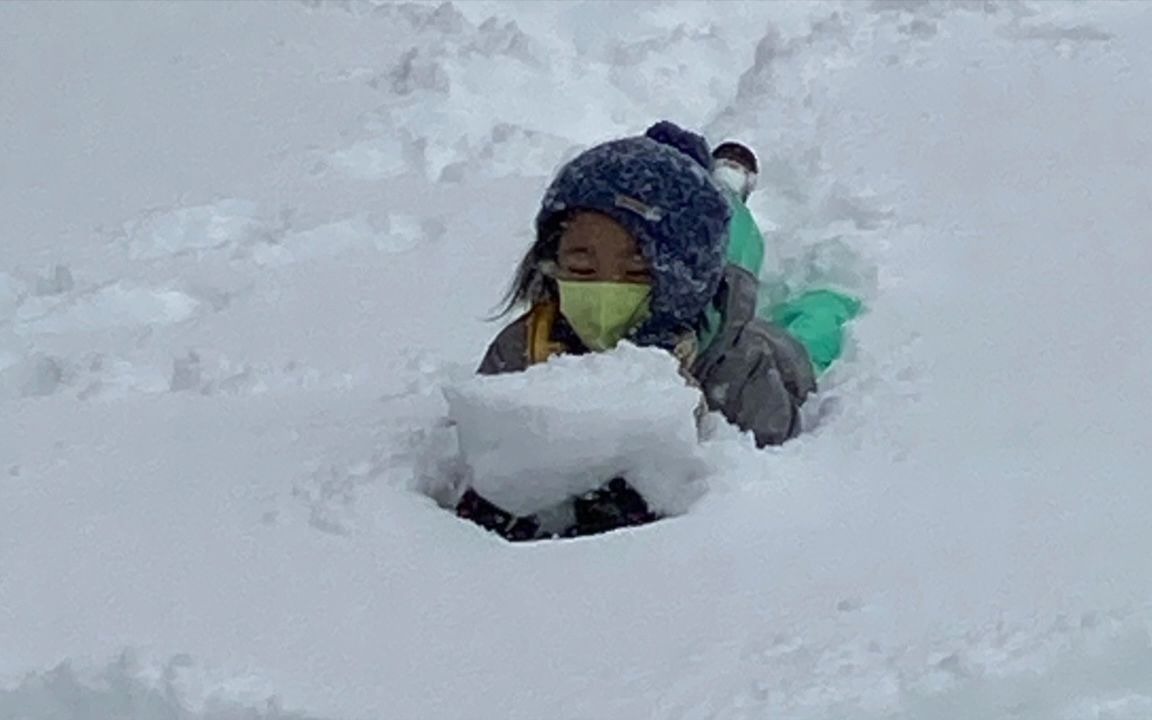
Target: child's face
x=735, y=176
x=596, y=248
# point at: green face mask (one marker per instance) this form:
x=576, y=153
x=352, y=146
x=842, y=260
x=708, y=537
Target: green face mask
x=602, y=313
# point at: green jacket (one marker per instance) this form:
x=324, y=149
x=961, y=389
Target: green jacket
x=815, y=318
x=745, y=241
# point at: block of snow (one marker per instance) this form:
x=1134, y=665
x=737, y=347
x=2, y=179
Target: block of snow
x=532, y=439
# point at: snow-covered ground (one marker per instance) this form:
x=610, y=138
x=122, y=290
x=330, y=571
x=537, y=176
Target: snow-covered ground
x=245, y=246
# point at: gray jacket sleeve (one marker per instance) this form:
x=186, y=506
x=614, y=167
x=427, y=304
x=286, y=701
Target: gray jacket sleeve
x=508, y=352
x=754, y=373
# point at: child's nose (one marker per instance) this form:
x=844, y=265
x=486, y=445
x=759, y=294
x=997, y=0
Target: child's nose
x=614, y=271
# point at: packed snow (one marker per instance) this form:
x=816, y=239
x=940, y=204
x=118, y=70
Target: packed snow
x=249, y=248
x=529, y=441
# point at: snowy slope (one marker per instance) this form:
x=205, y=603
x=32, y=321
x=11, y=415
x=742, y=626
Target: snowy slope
x=246, y=244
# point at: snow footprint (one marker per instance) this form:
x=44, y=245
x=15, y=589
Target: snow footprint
x=113, y=306
x=56, y=280
x=10, y=296
x=382, y=232
x=378, y=158
x=188, y=230
x=35, y=375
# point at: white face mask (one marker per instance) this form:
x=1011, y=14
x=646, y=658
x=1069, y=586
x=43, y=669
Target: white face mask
x=735, y=177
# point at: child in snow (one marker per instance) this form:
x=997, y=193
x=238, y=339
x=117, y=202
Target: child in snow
x=632, y=243
x=816, y=318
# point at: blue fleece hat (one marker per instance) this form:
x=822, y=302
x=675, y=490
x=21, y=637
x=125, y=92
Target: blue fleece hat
x=664, y=196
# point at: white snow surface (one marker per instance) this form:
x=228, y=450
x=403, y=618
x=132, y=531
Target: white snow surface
x=246, y=246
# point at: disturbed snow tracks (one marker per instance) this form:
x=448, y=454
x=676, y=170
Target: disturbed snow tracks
x=138, y=311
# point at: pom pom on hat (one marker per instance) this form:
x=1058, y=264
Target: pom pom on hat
x=686, y=141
